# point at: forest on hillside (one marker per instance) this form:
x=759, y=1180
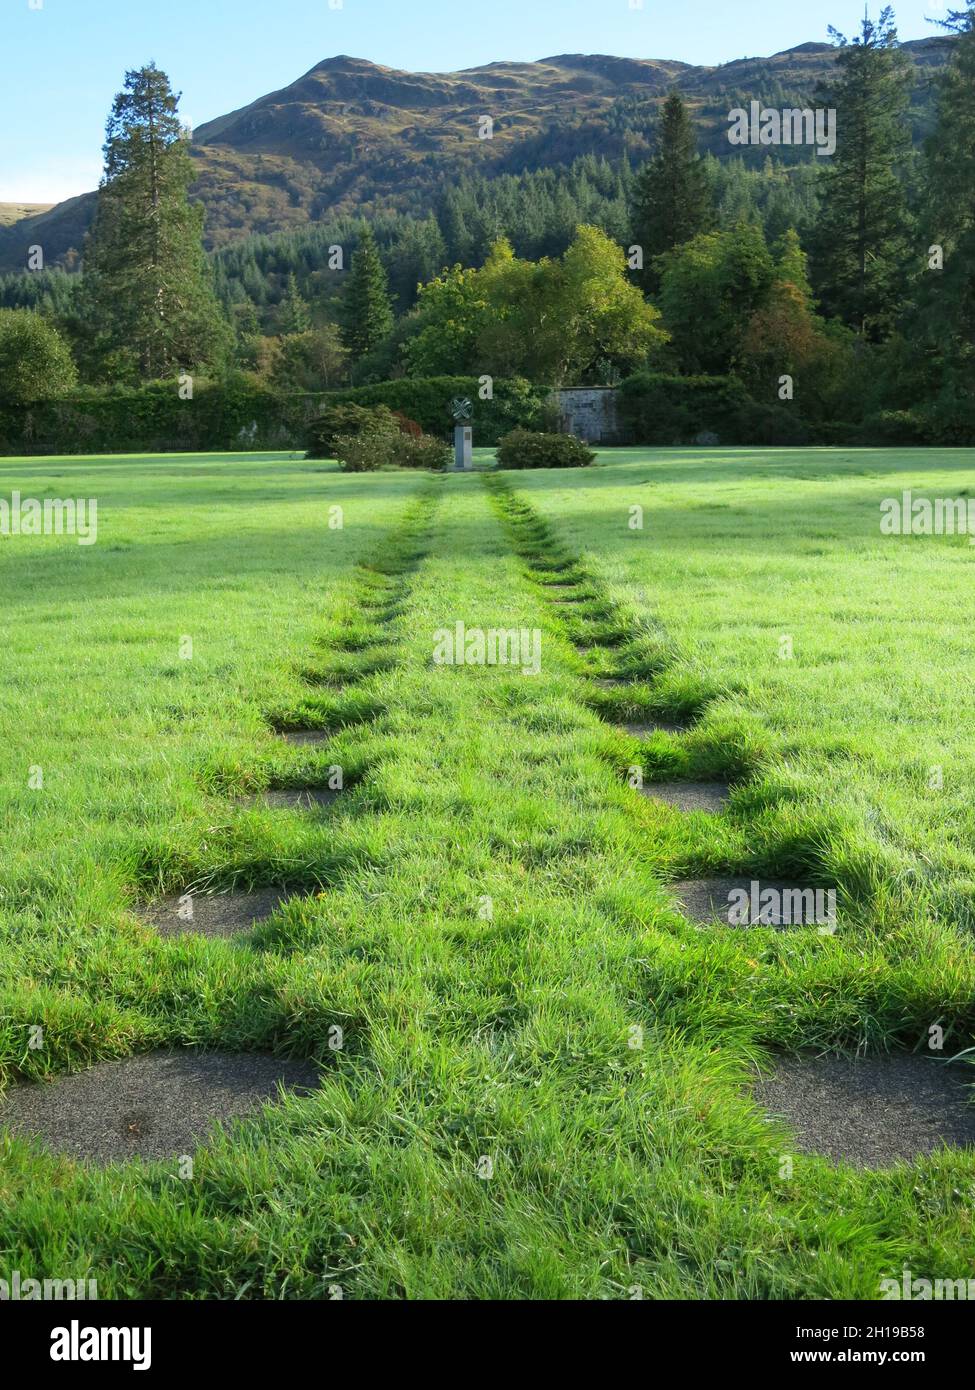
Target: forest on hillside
x=836, y=295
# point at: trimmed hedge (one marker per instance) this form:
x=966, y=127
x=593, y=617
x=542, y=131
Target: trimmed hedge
x=661, y=409
x=242, y=413
x=236, y=414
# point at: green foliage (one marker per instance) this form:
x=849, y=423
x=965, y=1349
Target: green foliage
x=533, y=449
x=862, y=239
x=710, y=289
x=947, y=316
x=427, y=400
x=366, y=451
x=367, y=314
x=148, y=286
x=420, y=451
x=378, y=442
x=768, y=422
x=649, y=1168
x=365, y=438
x=35, y=363
x=662, y=409
x=671, y=194
x=346, y=421
x=552, y=321
x=242, y=411
x=235, y=413
x=785, y=338
x=309, y=361
x=295, y=314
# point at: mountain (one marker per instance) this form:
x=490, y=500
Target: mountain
x=351, y=136
x=17, y=212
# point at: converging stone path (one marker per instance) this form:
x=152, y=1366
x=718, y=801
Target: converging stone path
x=155, y=1107
x=212, y=914
x=871, y=1111
x=690, y=796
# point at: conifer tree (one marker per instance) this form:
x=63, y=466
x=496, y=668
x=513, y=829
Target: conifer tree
x=367, y=314
x=861, y=244
x=948, y=292
x=150, y=288
x=295, y=314
x=671, y=196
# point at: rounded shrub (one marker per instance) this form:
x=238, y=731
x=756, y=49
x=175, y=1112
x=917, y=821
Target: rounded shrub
x=420, y=451
x=35, y=362
x=533, y=449
x=346, y=421
x=365, y=452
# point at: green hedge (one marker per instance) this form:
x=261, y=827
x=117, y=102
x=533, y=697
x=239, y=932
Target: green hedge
x=661, y=409
x=237, y=414
x=241, y=413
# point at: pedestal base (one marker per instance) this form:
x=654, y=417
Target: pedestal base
x=463, y=446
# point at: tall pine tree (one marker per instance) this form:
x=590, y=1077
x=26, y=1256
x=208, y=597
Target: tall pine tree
x=671, y=196
x=948, y=294
x=149, y=284
x=295, y=314
x=367, y=314
x=861, y=243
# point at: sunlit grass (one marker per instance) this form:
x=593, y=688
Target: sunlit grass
x=485, y=911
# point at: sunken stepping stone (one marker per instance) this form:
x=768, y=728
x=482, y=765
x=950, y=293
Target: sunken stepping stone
x=743, y=902
x=871, y=1111
x=655, y=726
x=304, y=738
x=293, y=799
x=156, y=1107
x=213, y=914
x=711, y=797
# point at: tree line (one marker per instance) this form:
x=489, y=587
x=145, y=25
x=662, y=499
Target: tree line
x=842, y=285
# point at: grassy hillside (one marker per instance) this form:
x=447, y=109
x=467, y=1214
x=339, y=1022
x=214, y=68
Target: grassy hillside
x=16, y=212
x=352, y=135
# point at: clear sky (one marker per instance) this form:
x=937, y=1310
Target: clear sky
x=63, y=60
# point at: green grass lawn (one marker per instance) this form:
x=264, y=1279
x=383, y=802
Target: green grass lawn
x=484, y=913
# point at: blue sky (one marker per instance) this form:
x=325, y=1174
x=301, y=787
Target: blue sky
x=63, y=60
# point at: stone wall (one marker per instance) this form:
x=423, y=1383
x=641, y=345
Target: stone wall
x=590, y=413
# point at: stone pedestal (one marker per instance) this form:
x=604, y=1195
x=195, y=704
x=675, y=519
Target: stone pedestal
x=463, y=446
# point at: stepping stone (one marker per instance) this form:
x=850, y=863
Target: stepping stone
x=743, y=902
x=871, y=1111
x=302, y=738
x=655, y=726
x=156, y=1107
x=213, y=914
x=295, y=799
x=690, y=796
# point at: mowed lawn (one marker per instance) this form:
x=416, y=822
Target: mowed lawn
x=543, y=1085
x=862, y=722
